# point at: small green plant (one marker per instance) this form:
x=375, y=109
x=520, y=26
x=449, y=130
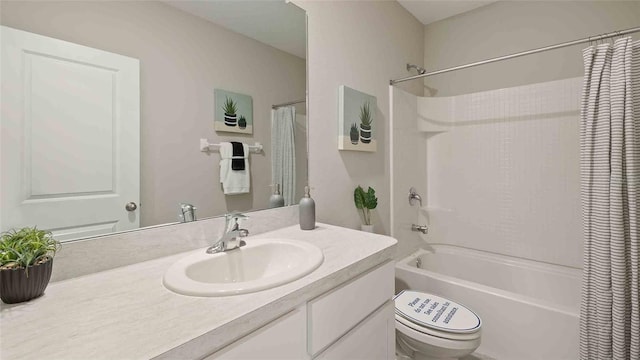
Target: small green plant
x=365, y=202
x=353, y=133
x=365, y=116
x=26, y=247
x=242, y=122
x=229, y=107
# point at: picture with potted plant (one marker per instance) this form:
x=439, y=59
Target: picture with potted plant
x=365, y=123
x=26, y=261
x=230, y=108
x=365, y=202
x=353, y=134
x=356, y=115
x=233, y=112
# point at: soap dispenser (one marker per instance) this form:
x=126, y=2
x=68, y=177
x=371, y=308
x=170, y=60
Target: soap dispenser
x=276, y=200
x=307, y=211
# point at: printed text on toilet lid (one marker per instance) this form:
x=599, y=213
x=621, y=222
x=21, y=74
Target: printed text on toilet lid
x=435, y=312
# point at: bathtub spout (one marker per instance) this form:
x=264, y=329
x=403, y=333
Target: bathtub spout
x=420, y=228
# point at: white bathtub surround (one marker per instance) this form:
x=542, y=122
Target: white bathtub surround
x=518, y=300
x=408, y=163
x=88, y=256
x=610, y=181
x=503, y=171
x=127, y=313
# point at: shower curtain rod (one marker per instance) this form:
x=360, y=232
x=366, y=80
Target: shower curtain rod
x=528, y=52
x=287, y=104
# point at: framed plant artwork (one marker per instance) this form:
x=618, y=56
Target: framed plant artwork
x=233, y=112
x=356, y=125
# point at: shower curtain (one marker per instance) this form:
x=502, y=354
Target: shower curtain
x=283, y=158
x=610, y=191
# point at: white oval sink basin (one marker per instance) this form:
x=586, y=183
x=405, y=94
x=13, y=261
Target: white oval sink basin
x=259, y=265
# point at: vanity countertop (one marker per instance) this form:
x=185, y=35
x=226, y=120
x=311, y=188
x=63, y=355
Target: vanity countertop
x=126, y=313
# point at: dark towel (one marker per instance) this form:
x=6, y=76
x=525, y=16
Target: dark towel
x=237, y=158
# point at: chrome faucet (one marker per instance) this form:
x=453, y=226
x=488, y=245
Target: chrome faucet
x=414, y=196
x=187, y=213
x=231, y=239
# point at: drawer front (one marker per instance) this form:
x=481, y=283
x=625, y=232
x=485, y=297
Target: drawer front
x=333, y=314
x=372, y=339
x=284, y=338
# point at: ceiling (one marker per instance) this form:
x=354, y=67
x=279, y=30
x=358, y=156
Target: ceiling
x=273, y=22
x=428, y=11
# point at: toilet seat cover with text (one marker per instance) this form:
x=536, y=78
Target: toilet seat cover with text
x=436, y=312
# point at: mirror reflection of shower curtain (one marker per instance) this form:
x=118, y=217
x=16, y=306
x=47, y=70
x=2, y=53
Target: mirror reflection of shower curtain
x=283, y=152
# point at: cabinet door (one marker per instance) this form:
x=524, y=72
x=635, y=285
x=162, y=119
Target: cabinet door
x=283, y=338
x=334, y=313
x=372, y=339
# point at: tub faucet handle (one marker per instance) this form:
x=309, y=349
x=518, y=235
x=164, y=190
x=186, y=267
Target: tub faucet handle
x=414, y=196
x=420, y=228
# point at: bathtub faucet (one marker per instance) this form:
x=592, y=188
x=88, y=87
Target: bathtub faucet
x=420, y=228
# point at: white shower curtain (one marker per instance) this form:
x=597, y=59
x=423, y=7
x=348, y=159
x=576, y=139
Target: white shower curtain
x=610, y=182
x=283, y=147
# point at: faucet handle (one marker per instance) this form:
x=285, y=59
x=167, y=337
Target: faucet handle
x=232, y=220
x=235, y=215
x=187, y=212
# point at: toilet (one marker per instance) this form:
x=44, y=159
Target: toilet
x=433, y=327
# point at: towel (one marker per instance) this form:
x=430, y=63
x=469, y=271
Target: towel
x=237, y=160
x=233, y=181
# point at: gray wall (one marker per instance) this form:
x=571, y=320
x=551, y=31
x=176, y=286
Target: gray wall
x=361, y=45
x=507, y=27
x=182, y=59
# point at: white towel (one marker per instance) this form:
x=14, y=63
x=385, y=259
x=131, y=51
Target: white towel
x=234, y=181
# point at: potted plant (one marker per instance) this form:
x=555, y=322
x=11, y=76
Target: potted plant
x=230, y=108
x=353, y=134
x=365, y=202
x=365, y=123
x=242, y=122
x=26, y=261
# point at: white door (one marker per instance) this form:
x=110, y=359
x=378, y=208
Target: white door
x=69, y=140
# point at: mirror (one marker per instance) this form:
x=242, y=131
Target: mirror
x=77, y=76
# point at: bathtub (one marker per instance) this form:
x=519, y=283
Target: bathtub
x=529, y=309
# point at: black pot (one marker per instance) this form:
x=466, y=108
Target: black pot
x=365, y=134
x=16, y=286
x=354, y=138
x=230, y=120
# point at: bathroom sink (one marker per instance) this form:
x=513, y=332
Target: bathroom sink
x=259, y=265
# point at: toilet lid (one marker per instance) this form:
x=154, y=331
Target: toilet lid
x=436, y=312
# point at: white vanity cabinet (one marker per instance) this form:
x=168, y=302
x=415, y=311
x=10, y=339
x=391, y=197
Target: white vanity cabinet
x=281, y=339
x=352, y=321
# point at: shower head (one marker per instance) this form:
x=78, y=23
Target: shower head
x=419, y=69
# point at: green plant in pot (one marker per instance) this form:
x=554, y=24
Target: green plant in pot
x=353, y=134
x=365, y=202
x=366, y=121
x=230, y=108
x=26, y=261
x=242, y=122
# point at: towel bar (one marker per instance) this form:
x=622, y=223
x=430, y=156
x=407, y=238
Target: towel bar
x=206, y=146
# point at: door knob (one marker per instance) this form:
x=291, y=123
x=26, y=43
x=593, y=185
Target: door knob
x=131, y=206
